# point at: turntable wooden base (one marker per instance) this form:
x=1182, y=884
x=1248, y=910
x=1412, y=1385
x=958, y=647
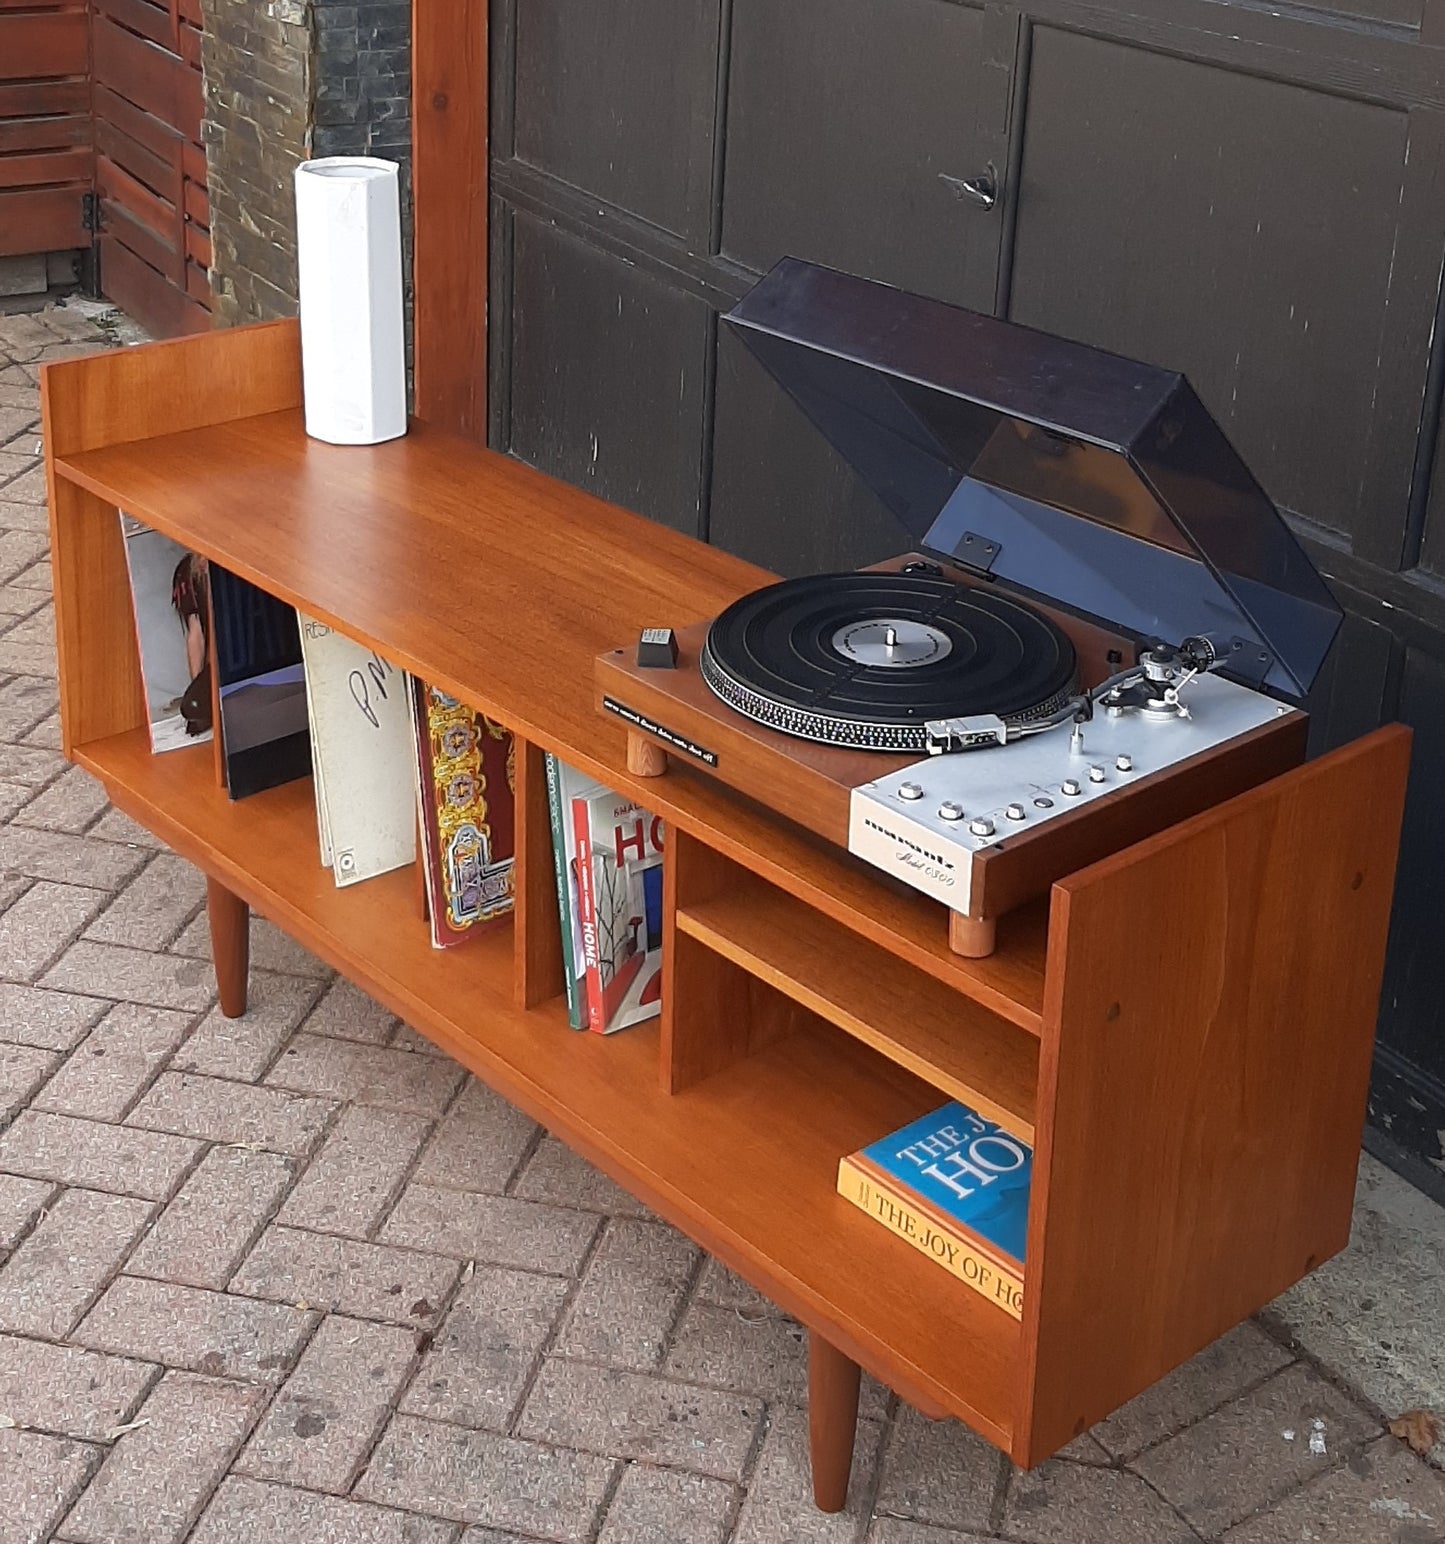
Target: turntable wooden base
x=673, y=715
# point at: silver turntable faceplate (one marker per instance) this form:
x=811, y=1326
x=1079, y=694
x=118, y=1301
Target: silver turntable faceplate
x=924, y=823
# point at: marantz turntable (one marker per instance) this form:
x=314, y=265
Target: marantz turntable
x=1104, y=625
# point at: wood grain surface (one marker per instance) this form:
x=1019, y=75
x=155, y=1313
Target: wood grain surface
x=1209, y=1021
x=1184, y=1028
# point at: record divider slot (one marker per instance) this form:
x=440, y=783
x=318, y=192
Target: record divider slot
x=538, y=971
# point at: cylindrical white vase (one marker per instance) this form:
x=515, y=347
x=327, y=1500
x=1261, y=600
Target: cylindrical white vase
x=348, y=260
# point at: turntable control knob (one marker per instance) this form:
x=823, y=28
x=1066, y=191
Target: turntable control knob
x=1097, y=773
x=1124, y=763
x=910, y=790
x=1015, y=812
x=950, y=810
x=983, y=826
x=1071, y=786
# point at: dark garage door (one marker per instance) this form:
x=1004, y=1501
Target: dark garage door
x=1254, y=198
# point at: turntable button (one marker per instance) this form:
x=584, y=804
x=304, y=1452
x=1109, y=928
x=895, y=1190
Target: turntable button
x=910, y=790
x=1124, y=763
x=950, y=810
x=1044, y=802
x=1015, y=812
x=983, y=826
x=1097, y=773
x=1071, y=786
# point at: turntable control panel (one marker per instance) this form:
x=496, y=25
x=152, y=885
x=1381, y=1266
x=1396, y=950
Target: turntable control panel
x=925, y=822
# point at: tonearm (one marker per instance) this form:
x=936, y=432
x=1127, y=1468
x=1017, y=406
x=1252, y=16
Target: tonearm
x=1152, y=685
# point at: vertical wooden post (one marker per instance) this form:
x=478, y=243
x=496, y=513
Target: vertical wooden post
x=832, y=1420
x=230, y=920
x=645, y=757
x=449, y=201
x=972, y=937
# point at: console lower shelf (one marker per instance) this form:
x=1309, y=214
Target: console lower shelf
x=745, y=1162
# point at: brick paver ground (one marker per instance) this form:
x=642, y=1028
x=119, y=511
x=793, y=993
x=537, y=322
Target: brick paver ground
x=298, y=1278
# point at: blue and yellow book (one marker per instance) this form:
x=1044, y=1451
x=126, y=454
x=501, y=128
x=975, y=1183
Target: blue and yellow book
x=956, y=1187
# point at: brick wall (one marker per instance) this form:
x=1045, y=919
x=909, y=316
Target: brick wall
x=287, y=80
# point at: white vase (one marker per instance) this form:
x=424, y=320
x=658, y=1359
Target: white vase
x=348, y=260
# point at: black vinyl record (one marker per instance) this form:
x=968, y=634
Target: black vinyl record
x=866, y=659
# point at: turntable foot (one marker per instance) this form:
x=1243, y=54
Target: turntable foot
x=971, y=937
x=645, y=757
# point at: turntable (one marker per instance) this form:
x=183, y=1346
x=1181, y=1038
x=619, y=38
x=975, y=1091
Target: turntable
x=1104, y=625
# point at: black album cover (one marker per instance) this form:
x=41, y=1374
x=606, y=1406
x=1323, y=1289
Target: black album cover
x=265, y=734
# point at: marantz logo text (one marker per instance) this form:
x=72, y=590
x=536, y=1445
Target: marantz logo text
x=903, y=841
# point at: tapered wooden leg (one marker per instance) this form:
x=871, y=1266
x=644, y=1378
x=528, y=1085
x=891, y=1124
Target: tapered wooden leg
x=832, y=1421
x=645, y=757
x=972, y=937
x=230, y=920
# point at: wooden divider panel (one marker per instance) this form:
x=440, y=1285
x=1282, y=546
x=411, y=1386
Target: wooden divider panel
x=1209, y=1015
x=714, y=1013
x=119, y=395
x=537, y=936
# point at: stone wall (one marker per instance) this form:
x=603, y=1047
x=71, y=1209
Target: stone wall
x=286, y=80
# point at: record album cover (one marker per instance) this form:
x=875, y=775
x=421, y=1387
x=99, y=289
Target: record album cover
x=466, y=775
x=170, y=603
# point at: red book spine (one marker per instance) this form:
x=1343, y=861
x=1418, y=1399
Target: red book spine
x=587, y=915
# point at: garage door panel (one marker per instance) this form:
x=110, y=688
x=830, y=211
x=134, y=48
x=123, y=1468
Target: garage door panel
x=607, y=386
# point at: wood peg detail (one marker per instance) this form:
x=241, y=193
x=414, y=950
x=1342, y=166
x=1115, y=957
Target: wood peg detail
x=972, y=937
x=645, y=757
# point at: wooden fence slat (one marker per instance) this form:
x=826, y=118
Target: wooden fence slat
x=41, y=220
x=41, y=168
x=161, y=174
x=134, y=215
x=198, y=204
x=152, y=22
x=19, y=134
x=198, y=245
x=198, y=283
x=34, y=44
x=148, y=76
x=32, y=98
x=144, y=294
x=144, y=128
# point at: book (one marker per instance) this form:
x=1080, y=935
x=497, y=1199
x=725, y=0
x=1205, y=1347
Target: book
x=361, y=754
x=170, y=604
x=619, y=898
x=563, y=782
x=265, y=730
x=956, y=1187
x=465, y=785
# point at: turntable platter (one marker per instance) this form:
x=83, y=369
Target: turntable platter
x=866, y=659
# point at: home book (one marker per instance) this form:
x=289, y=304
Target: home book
x=619, y=894
x=465, y=770
x=956, y=1187
x=563, y=783
x=361, y=750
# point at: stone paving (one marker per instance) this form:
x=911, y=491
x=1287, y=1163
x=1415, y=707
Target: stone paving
x=298, y=1278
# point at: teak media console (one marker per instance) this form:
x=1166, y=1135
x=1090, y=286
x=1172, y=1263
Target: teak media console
x=1183, y=1030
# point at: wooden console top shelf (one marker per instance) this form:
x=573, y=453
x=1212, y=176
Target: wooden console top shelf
x=1184, y=1029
